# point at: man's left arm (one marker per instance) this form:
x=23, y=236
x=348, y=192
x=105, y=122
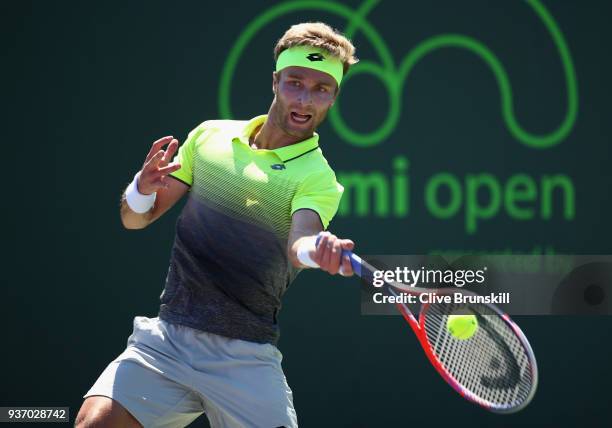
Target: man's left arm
x=305, y=227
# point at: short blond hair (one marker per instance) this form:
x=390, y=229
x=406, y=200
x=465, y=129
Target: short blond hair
x=319, y=35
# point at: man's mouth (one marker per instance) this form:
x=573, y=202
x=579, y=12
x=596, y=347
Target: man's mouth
x=300, y=118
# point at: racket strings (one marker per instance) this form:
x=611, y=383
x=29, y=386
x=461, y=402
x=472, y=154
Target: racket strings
x=493, y=366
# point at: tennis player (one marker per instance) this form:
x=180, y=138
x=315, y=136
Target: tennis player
x=260, y=192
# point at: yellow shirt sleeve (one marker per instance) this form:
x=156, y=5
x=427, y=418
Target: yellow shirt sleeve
x=321, y=193
x=185, y=156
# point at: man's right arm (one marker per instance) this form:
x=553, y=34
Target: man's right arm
x=166, y=198
x=153, y=179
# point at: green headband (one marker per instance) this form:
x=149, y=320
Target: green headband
x=310, y=57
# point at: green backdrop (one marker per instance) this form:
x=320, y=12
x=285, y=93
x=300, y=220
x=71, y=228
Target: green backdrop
x=468, y=126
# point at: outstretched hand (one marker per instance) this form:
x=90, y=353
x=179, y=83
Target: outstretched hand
x=156, y=167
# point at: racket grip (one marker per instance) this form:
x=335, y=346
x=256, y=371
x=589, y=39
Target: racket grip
x=354, y=258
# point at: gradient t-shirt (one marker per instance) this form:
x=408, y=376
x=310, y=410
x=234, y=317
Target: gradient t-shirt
x=229, y=266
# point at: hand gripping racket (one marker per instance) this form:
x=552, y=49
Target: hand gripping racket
x=495, y=368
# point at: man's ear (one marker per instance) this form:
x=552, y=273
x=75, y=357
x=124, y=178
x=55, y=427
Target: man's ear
x=275, y=77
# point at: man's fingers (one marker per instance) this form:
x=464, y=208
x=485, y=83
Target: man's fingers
x=157, y=145
x=325, y=246
x=335, y=257
x=170, y=152
x=329, y=255
x=168, y=169
x=154, y=175
x=321, y=246
x=347, y=244
x=152, y=163
x=347, y=267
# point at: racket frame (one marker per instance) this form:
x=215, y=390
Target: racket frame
x=418, y=326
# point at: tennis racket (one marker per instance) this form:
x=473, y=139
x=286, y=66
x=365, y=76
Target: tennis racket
x=495, y=368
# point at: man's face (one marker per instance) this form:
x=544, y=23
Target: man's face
x=302, y=98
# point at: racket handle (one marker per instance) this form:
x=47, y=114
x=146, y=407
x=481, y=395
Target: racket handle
x=354, y=258
x=355, y=261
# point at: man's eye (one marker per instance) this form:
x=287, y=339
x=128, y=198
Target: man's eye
x=322, y=89
x=295, y=83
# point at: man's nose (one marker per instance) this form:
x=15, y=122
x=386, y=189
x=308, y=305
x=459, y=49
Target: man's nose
x=305, y=97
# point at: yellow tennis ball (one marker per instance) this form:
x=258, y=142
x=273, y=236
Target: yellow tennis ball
x=462, y=327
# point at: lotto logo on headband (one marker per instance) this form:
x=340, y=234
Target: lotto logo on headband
x=315, y=57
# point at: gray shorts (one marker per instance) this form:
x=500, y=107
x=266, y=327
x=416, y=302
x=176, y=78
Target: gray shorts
x=170, y=374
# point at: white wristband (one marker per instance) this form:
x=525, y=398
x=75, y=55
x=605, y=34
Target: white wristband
x=138, y=202
x=303, y=252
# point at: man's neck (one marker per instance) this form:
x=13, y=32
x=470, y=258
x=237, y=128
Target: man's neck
x=268, y=136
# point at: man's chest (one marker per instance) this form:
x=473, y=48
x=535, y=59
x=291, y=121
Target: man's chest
x=251, y=183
